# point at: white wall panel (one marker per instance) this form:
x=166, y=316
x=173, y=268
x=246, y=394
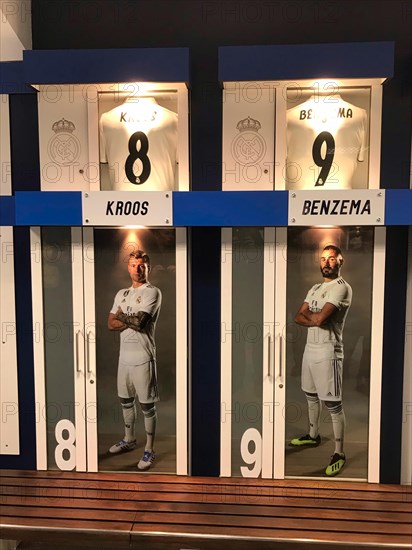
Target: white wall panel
x=9, y=442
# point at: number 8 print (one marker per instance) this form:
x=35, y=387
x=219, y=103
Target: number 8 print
x=65, y=444
x=138, y=154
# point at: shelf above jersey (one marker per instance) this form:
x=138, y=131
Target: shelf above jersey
x=306, y=61
x=108, y=65
x=209, y=208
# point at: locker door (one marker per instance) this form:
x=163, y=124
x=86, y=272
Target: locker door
x=252, y=377
x=76, y=274
x=58, y=338
x=266, y=276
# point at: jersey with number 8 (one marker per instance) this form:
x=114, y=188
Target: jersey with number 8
x=326, y=138
x=139, y=142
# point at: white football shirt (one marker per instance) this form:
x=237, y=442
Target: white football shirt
x=338, y=293
x=137, y=348
x=138, y=140
x=326, y=138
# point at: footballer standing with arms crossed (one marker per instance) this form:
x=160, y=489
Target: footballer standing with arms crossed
x=324, y=312
x=134, y=313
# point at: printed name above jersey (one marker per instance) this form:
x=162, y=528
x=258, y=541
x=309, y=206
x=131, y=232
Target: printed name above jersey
x=339, y=112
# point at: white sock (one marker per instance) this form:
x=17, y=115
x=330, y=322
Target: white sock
x=314, y=412
x=150, y=418
x=338, y=425
x=129, y=417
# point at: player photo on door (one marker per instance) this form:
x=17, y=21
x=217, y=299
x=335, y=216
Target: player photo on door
x=327, y=138
x=135, y=284
x=329, y=303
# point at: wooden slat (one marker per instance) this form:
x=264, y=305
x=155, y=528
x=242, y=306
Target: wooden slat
x=65, y=522
x=327, y=484
x=201, y=534
x=70, y=512
x=206, y=508
x=296, y=523
x=51, y=494
x=294, y=492
x=210, y=513
x=57, y=530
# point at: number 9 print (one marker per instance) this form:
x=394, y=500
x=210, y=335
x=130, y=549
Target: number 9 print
x=325, y=163
x=251, y=435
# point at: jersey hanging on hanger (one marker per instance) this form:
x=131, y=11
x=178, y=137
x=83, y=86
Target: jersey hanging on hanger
x=326, y=138
x=138, y=140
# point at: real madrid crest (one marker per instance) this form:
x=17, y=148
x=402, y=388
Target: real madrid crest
x=138, y=299
x=64, y=147
x=248, y=147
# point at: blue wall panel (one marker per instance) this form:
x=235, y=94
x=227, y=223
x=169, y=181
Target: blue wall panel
x=7, y=211
x=398, y=207
x=12, y=78
x=231, y=208
x=49, y=208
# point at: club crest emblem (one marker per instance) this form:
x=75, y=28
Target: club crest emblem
x=248, y=147
x=138, y=299
x=64, y=147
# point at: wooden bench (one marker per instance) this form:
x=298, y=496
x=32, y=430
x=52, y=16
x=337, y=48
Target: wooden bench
x=157, y=511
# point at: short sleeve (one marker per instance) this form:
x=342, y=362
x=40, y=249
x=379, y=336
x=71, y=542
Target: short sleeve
x=340, y=295
x=151, y=301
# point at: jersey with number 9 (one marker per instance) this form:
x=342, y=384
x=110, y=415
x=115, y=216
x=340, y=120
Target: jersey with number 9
x=326, y=138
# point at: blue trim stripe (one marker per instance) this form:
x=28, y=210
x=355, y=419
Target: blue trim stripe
x=7, y=213
x=49, y=208
x=114, y=65
x=398, y=207
x=230, y=208
x=12, y=78
x=300, y=61
x=190, y=208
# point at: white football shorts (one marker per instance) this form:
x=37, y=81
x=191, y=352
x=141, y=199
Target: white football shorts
x=138, y=380
x=322, y=372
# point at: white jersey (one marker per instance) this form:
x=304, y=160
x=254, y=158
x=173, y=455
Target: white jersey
x=325, y=141
x=139, y=142
x=137, y=348
x=339, y=294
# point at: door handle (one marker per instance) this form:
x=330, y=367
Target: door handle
x=77, y=351
x=280, y=355
x=88, y=352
